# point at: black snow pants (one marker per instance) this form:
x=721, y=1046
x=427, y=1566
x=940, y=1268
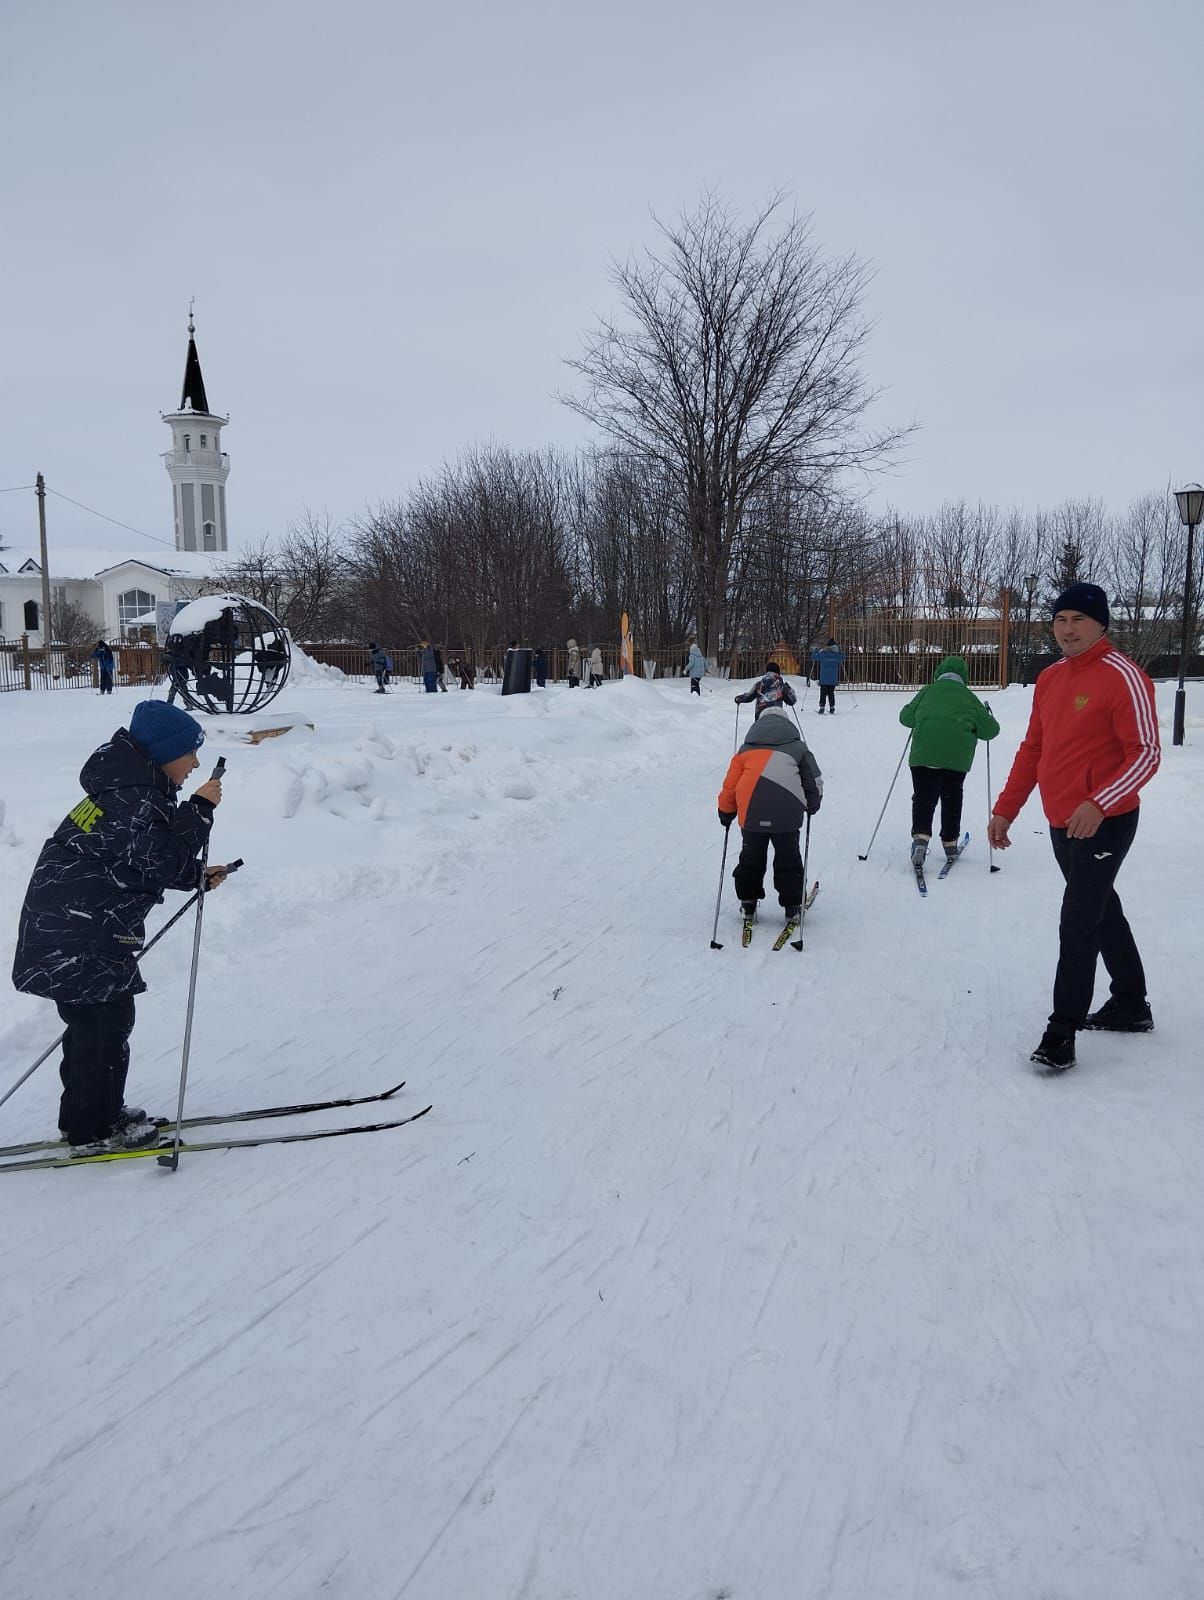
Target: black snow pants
x=928, y=785
x=749, y=872
x=96, y=1059
x=1093, y=923
x=827, y=697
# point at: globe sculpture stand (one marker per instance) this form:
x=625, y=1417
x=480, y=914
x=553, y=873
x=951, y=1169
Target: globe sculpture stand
x=225, y=653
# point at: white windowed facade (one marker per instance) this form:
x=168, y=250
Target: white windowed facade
x=132, y=604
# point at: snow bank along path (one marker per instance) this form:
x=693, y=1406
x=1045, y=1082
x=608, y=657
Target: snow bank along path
x=742, y=1274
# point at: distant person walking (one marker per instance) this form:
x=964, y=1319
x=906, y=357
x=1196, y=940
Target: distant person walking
x=826, y=665
x=463, y=668
x=428, y=666
x=1091, y=746
x=947, y=721
x=380, y=666
x=595, y=668
x=574, y=664
x=440, y=682
x=103, y=658
x=696, y=667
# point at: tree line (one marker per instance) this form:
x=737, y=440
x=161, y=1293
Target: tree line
x=723, y=496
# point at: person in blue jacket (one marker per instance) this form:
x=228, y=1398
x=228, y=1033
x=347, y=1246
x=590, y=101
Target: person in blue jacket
x=696, y=667
x=103, y=658
x=826, y=665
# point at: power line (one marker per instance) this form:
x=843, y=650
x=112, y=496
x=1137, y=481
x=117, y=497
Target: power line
x=93, y=512
x=17, y=487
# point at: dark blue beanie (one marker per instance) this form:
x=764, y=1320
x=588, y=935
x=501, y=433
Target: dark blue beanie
x=1088, y=598
x=164, y=731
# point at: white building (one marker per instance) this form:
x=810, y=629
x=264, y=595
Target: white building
x=119, y=590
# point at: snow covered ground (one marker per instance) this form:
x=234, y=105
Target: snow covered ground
x=711, y=1274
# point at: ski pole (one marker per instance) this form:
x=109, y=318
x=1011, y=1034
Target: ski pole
x=802, y=916
x=172, y=1161
x=990, y=846
x=715, y=945
x=886, y=802
x=736, y=735
x=233, y=866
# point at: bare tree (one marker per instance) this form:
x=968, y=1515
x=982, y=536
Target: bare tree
x=741, y=362
x=303, y=578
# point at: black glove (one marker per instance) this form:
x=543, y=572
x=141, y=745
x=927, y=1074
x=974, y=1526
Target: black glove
x=811, y=810
x=739, y=699
x=727, y=818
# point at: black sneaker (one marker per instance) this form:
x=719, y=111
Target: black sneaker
x=1056, y=1050
x=1114, y=1017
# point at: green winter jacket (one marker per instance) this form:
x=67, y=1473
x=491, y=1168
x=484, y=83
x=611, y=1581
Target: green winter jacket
x=947, y=720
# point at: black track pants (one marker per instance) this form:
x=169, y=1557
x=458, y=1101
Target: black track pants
x=749, y=872
x=928, y=785
x=96, y=1058
x=1093, y=923
x=827, y=697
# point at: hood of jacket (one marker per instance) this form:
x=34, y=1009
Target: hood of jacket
x=122, y=764
x=773, y=729
x=954, y=666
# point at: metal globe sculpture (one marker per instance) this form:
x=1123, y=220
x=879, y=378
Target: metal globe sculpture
x=225, y=653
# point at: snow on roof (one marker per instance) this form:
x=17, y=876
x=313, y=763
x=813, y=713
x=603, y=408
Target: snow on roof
x=68, y=565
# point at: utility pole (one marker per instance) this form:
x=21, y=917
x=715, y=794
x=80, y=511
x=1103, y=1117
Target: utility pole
x=40, y=491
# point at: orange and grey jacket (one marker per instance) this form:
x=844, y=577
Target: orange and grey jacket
x=773, y=780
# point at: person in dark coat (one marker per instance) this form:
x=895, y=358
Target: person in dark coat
x=772, y=784
x=770, y=690
x=439, y=672
x=82, y=922
x=103, y=658
x=380, y=666
x=427, y=667
x=539, y=662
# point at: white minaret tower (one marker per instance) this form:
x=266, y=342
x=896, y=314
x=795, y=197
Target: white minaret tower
x=196, y=463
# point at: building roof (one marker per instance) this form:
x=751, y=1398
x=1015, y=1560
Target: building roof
x=192, y=397
x=67, y=565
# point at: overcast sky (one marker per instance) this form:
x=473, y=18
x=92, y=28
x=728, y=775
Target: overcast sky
x=397, y=219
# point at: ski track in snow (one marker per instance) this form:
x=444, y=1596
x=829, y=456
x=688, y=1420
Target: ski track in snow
x=739, y=1275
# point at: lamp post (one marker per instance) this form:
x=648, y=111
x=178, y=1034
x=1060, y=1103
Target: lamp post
x=1030, y=584
x=1191, y=514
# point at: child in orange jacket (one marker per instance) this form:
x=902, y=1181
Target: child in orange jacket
x=772, y=784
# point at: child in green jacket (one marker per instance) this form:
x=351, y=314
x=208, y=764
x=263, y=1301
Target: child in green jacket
x=947, y=722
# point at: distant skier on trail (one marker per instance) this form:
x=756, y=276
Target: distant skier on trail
x=947, y=721
x=772, y=783
x=696, y=667
x=380, y=666
x=826, y=665
x=1091, y=746
x=770, y=691
x=82, y=922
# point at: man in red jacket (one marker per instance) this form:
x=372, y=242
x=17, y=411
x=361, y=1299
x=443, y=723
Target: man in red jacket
x=1091, y=745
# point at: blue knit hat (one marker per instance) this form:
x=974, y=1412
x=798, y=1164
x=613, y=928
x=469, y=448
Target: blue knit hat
x=1088, y=598
x=165, y=732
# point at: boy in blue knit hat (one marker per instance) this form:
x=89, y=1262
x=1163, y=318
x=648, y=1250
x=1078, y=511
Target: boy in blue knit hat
x=82, y=923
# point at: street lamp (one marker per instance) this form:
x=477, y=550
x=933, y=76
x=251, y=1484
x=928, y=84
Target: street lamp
x=1030, y=583
x=1191, y=514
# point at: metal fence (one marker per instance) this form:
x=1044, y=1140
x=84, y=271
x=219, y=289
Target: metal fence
x=26, y=666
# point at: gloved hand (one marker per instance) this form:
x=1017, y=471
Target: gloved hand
x=727, y=818
x=738, y=698
x=813, y=809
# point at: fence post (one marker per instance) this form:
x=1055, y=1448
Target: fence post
x=25, y=660
x=1005, y=636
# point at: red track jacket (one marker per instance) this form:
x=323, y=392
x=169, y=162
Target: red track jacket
x=1093, y=735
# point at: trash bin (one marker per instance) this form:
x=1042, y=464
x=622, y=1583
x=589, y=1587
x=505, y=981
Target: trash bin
x=517, y=676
